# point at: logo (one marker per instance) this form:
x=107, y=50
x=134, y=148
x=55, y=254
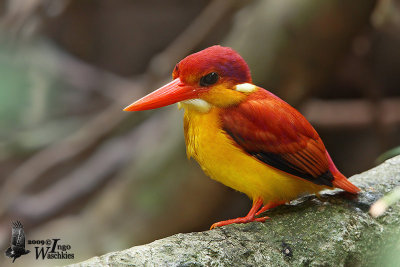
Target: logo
x=51, y=249
x=17, y=248
x=48, y=249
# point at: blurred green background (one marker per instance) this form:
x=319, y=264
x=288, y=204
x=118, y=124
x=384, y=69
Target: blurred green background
x=74, y=166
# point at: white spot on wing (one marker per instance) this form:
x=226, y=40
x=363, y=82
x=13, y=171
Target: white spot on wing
x=245, y=87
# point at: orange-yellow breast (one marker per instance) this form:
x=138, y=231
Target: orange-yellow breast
x=225, y=162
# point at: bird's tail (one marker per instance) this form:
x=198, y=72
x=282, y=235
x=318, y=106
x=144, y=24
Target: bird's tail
x=340, y=181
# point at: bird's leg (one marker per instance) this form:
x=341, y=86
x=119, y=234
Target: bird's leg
x=250, y=217
x=270, y=205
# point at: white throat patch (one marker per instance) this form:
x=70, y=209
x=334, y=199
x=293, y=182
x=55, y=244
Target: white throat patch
x=197, y=104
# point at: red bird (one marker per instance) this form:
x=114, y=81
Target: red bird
x=243, y=135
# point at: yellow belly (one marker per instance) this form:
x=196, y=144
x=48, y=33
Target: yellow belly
x=223, y=161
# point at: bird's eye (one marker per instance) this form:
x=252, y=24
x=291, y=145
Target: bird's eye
x=175, y=73
x=209, y=79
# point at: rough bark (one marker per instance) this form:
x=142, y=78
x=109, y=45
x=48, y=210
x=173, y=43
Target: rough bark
x=335, y=230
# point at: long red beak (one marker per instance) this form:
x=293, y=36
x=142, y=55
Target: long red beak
x=170, y=93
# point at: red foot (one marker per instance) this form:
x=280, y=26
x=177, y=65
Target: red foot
x=238, y=220
x=250, y=217
x=270, y=206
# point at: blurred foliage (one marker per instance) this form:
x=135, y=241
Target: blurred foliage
x=35, y=102
x=388, y=154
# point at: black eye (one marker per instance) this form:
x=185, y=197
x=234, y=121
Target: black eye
x=209, y=79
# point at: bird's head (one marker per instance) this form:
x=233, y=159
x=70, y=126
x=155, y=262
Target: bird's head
x=216, y=76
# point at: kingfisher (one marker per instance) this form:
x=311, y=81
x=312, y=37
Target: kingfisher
x=244, y=136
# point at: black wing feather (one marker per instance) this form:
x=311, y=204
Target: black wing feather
x=280, y=163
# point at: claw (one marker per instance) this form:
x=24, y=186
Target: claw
x=239, y=220
x=270, y=205
x=262, y=219
x=251, y=216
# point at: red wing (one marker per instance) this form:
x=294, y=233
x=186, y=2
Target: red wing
x=272, y=131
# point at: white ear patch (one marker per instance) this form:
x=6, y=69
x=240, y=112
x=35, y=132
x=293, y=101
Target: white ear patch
x=245, y=87
x=197, y=104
